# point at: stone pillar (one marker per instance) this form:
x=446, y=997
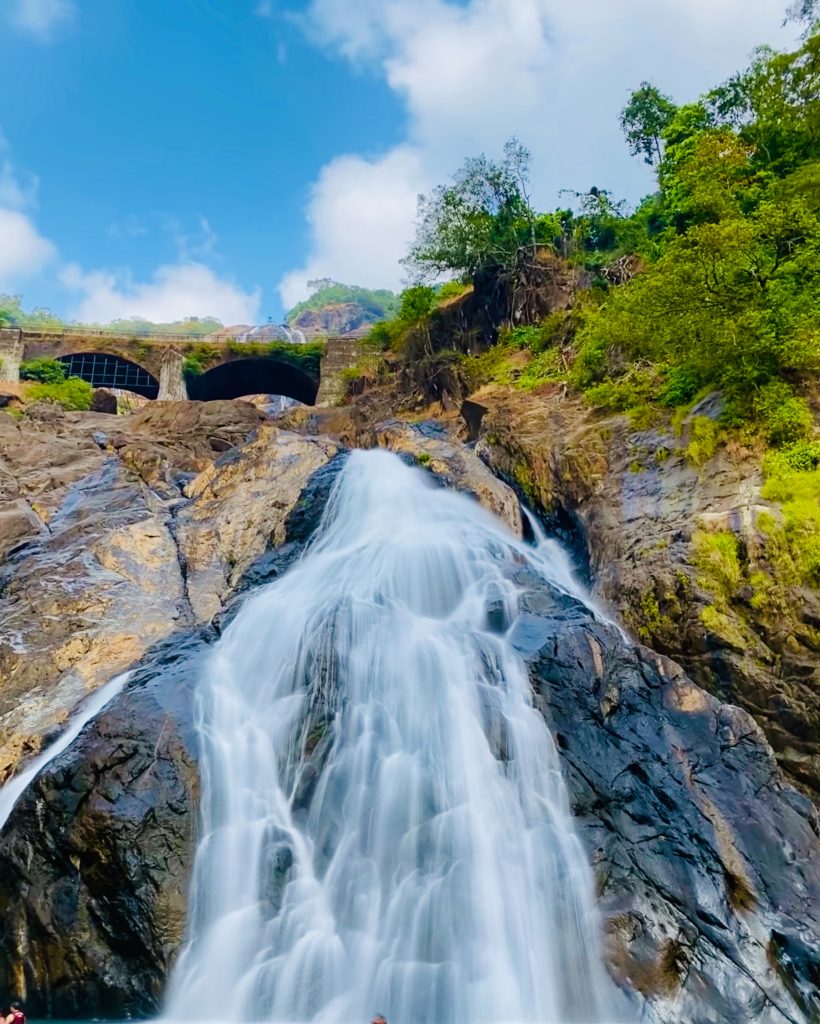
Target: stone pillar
x=340, y=354
x=11, y=353
x=171, y=380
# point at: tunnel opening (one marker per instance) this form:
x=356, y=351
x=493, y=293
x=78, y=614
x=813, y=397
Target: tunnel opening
x=103, y=370
x=243, y=377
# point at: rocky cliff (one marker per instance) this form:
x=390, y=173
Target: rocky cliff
x=128, y=542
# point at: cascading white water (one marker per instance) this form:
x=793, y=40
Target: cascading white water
x=384, y=823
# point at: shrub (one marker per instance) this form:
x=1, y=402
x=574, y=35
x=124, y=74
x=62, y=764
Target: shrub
x=541, y=368
x=192, y=367
x=72, y=394
x=784, y=417
x=46, y=371
x=682, y=384
x=451, y=290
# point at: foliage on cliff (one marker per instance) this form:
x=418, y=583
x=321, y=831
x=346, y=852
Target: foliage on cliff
x=375, y=305
x=712, y=283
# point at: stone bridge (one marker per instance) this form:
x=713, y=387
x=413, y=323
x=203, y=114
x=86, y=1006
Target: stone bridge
x=177, y=368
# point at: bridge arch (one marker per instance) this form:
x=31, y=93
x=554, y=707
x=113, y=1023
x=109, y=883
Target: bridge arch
x=254, y=376
x=104, y=370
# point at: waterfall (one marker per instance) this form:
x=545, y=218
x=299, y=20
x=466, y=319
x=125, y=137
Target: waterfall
x=384, y=825
x=88, y=710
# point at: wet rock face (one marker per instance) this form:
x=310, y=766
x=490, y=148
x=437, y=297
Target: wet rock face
x=706, y=862
x=95, y=859
x=238, y=509
x=632, y=506
x=707, y=865
x=117, y=532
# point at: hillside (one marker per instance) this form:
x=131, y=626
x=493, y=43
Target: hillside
x=335, y=308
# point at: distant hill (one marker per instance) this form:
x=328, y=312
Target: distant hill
x=336, y=308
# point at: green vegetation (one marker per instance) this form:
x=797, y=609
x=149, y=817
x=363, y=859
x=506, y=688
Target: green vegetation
x=72, y=394
x=704, y=438
x=192, y=326
x=482, y=219
x=711, y=284
x=199, y=358
x=306, y=357
x=377, y=305
x=409, y=330
x=46, y=371
x=728, y=293
x=793, y=481
x=12, y=314
x=716, y=556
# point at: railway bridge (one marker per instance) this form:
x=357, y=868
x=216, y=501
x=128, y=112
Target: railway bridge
x=176, y=368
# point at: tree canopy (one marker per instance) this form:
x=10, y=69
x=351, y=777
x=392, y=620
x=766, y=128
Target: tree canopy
x=481, y=219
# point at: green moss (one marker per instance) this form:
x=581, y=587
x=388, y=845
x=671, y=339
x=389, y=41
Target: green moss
x=525, y=478
x=722, y=626
x=793, y=545
x=716, y=556
x=653, y=622
x=704, y=438
x=424, y=458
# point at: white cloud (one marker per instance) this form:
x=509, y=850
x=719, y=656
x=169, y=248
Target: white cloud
x=360, y=216
x=23, y=250
x=472, y=74
x=175, y=291
x=195, y=244
x=41, y=18
x=16, y=191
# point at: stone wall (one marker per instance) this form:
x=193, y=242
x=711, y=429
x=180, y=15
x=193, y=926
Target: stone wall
x=11, y=353
x=340, y=354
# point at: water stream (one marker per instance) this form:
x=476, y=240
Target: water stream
x=384, y=824
x=89, y=709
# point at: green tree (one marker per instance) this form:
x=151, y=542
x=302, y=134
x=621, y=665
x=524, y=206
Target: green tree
x=644, y=120
x=480, y=220
x=774, y=106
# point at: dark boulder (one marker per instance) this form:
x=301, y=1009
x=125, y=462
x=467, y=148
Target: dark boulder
x=95, y=859
x=104, y=400
x=706, y=862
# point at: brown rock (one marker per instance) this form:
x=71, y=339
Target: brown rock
x=239, y=508
x=105, y=401
x=631, y=504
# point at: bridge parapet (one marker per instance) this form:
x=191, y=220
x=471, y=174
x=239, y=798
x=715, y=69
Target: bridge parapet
x=164, y=357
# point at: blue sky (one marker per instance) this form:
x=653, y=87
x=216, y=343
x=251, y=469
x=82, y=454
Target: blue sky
x=185, y=157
